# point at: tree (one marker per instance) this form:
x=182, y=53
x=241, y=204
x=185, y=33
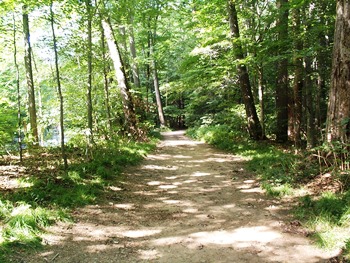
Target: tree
x=154, y=67
x=106, y=78
x=282, y=73
x=127, y=100
x=296, y=118
x=338, y=115
x=89, y=83
x=254, y=127
x=19, y=117
x=29, y=76
x=133, y=53
x=59, y=88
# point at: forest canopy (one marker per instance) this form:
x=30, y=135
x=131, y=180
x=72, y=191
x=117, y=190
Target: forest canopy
x=182, y=64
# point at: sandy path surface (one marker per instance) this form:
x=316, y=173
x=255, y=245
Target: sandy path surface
x=187, y=202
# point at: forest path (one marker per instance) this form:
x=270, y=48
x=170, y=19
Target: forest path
x=186, y=202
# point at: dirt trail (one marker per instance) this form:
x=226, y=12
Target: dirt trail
x=187, y=202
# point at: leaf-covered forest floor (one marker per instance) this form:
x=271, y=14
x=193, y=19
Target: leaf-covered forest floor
x=186, y=202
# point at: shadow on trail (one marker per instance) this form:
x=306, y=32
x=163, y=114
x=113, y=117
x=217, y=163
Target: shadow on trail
x=187, y=202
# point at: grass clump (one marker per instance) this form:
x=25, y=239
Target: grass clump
x=22, y=226
x=328, y=216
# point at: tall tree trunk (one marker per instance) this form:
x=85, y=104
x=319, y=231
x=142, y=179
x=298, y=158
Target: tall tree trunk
x=19, y=117
x=338, y=115
x=321, y=106
x=158, y=96
x=123, y=43
x=156, y=80
x=310, y=111
x=134, y=64
x=282, y=74
x=89, y=83
x=261, y=91
x=254, y=126
x=128, y=104
x=59, y=89
x=106, y=79
x=298, y=80
x=29, y=76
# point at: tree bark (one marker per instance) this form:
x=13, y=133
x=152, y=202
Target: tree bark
x=156, y=80
x=254, y=126
x=298, y=81
x=59, y=89
x=158, y=96
x=134, y=64
x=89, y=83
x=19, y=117
x=106, y=79
x=310, y=111
x=261, y=91
x=29, y=77
x=282, y=74
x=128, y=104
x=338, y=115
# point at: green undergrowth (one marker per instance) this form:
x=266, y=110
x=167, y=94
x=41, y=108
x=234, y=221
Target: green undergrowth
x=46, y=193
x=282, y=173
x=328, y=218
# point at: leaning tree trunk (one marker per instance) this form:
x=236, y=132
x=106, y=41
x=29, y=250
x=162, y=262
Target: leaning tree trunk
x=282, y=74
x=128, y=104
x=338, y=115
x=106, y=80
x=29, y=76
x=254, y=126
x=59, y=89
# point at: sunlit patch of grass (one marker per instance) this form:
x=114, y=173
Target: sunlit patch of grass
x=278, y=190
x=328, y=217
x=46, y=193
x=22, y=225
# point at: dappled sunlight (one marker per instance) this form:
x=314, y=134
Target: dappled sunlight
x=187, y=203
x=141, y=233
x=199, y=174
x=171, y=177
x=159, y=157
x=176, y=143
x=158, y=167
x=181, y=157
x=168, y=186
x=10, y=177
x=125, y=206
x=190, y=181
x=115, y=188
x=149, y=254
x=241, y=237
x=154, y=183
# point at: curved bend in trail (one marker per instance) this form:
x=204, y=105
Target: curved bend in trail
x=187, y=202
